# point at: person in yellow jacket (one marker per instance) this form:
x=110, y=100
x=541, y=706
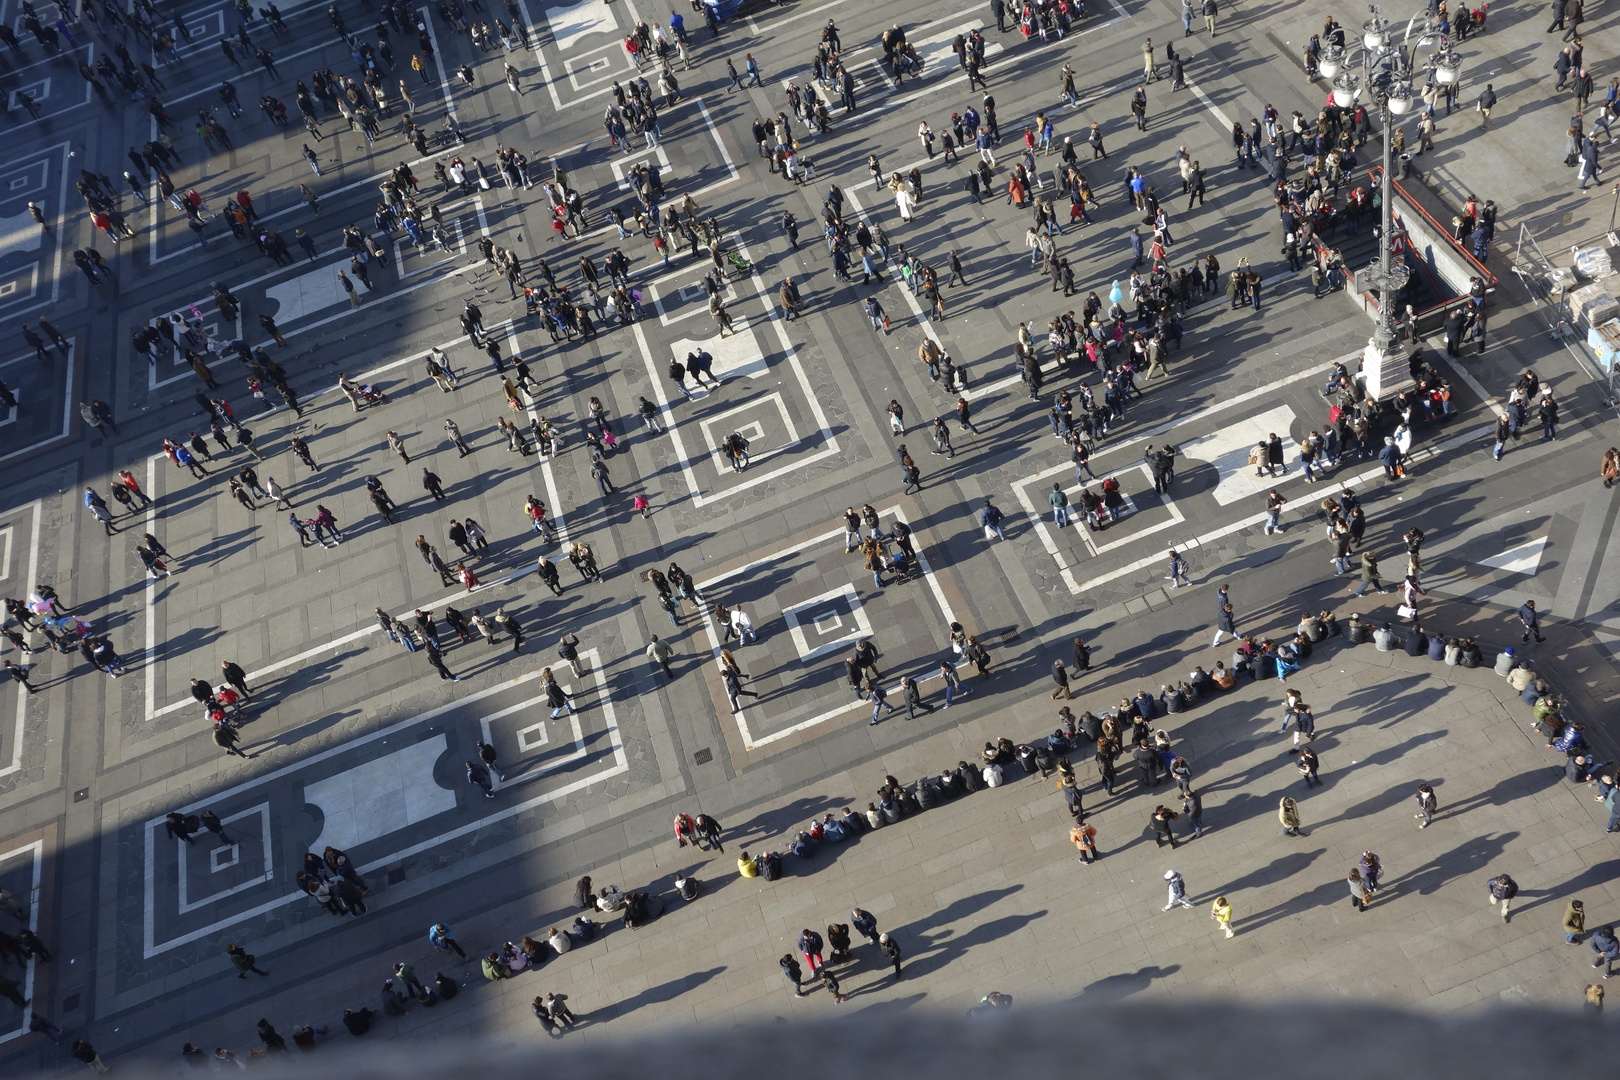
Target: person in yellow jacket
x=1221, y=912
x=746, y=866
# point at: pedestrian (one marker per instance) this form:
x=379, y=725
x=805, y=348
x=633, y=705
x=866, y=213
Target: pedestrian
x=891, y=950
x=810, y=944
x=561, y=1015
x=82, y=1050
x=1369, y=575
x=1358, y=889
x=660, y=653
x=912, y=694
x=1178, y=570
x=212, y=823
x=794, y=973
x=439, y=934
x=226, y=737
x=1501, y=889
x=1225, y=624
x=1221, y=912
x=1177, y=890
x=273, y=1042
x=243, y=960
x=1084, y=836
x=559, y=699
x=1574, y=922
x=1192, y=808
x=1274, y=508
x=10, y=989
x=1288, y=814
x=1607, y=947
x=479, y=777
x=1529, y=619
x=1060, y=676
x=1427, y=804
x=830, y=981
x=879, y=699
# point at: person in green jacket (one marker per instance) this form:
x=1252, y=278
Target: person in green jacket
x=495, y=968
x=1574, y=922
x=1060, y=505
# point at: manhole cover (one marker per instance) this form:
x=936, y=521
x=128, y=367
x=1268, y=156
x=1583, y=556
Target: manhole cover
x=396, y=875
x=70, y=1003
x=81, y=795
x=704, y=756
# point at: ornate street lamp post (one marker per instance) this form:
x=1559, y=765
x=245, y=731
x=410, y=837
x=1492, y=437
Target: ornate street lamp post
x=1383, y=70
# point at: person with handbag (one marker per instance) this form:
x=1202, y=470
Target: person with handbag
x=1410, y=591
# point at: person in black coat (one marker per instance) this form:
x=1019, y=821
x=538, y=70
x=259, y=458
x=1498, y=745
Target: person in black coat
x=1147, y=764
x=1417, y=642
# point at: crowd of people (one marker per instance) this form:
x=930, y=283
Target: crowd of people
x=1123, y=339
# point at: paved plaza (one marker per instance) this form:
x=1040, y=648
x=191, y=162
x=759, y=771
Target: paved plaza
x=355, y=742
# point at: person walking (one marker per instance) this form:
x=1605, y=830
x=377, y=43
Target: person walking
x=442, y=939
x=1369, y=575
x=488, y=755
x=1060, y=676
x=1574, y=922
x=1178, y=570
x=1427, y=804
x=912, y=694
x=244, y=961
x=660, y=653
x=273, y=1042
x=1177, y=890
x=10, y=989
x=1530, y=620
x=1275, y=501
x=1607, y=947
x=556, y=696
x=86, y=1053
x=1221, y=912
x=879, y=699
x=436, y=658
x=226, y=737
x=1225, y=624
x=18, y=674
x=1501, y=889
x=478, y=776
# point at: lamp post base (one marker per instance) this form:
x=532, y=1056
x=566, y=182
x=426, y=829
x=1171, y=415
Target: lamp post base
x=1385, y=372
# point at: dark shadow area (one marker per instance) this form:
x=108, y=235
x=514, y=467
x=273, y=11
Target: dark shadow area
x=1117, y=987
x=667, y=991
